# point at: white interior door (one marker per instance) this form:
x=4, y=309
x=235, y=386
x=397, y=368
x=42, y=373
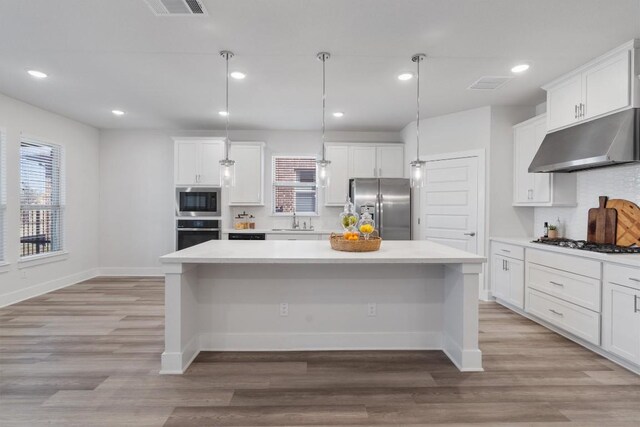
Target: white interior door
x=450, y=203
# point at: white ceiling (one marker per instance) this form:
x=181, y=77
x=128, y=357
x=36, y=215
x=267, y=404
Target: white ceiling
x=165, y=72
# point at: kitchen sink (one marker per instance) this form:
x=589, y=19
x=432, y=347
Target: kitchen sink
x=293, y=229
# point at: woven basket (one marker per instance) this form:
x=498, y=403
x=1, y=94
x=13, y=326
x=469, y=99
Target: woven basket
x=338, y=243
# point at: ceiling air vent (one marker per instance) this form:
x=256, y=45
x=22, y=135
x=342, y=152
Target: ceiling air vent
x=176, y=7
x=489, y=82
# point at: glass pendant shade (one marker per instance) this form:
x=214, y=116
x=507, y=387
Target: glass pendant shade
x=227, y=173
x=323, y=172
x=417, y=173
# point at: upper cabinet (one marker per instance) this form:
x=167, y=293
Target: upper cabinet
x=537, y=189
x=360, y=160
x=603, y=86
x=197, y=161
x=249, y=158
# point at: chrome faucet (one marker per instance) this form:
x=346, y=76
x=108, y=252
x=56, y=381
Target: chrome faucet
x=296, y=223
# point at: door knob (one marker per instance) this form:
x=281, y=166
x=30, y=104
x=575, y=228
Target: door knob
x=470, y=234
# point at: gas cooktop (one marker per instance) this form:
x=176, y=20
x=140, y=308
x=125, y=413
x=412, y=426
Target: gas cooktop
x=589, y=246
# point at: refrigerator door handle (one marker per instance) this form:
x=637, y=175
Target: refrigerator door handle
x=380, y=213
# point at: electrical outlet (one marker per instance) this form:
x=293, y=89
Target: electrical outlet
x=371, y=309
x=284, y=309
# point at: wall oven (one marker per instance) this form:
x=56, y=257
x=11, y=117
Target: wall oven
x=198, y=201
x=191, y=232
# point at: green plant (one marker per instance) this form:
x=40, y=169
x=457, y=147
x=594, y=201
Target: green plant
x=553, y=227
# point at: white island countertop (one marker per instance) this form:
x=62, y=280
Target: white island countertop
x=317, y=252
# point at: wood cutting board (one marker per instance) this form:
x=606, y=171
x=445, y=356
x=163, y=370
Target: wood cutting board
x=602, y=224
x=628, y=229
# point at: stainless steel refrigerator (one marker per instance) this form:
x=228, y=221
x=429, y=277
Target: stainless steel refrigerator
x=388, y=200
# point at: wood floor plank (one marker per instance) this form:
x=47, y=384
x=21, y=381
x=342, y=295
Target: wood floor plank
x=89, y=355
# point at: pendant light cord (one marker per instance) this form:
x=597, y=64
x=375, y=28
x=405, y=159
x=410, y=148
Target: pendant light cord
x=418, y=112
x=324, y=100
x=226, y=157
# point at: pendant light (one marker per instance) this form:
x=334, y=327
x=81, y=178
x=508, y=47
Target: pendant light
x=417, y=166
x=227, y=166
x=322, y=166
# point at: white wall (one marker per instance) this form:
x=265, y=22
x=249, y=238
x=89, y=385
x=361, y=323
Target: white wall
x=489, y=129
x=485, y=128
x=80, y=144
x=617, y=182
x=137, y=202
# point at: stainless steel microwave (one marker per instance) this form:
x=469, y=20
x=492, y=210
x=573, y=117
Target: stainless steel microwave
x=198, y=201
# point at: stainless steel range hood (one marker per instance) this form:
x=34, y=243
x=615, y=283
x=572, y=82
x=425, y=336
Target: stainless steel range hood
x=607, y=141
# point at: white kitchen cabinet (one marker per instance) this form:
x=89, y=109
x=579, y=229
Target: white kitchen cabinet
x=249, y=158
x=197, y=161
x=600, y=87
x=390, y=161
x=621, y=312
x=507, y=276
x=338, y=188
x=537, y=189
x=362, y=161
x=563, y=102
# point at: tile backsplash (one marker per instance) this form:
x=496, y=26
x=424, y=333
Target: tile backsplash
x=617, y=182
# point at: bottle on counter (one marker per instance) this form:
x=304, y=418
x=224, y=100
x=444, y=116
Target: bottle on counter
x=559, y=228
x=546, y=229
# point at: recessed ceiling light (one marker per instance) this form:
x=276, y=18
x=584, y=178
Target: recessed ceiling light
x=117, y=112
x=37, y=74
x=223, y=113
x=405, y=76
x=338, y=114
x=238, y=75
x=520, y=68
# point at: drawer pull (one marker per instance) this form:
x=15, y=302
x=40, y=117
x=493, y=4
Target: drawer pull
x=556, y=283
x=556, y=312
x=634, y=279
x=508, y=251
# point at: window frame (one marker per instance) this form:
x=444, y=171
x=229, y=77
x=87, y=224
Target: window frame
x=275, y=184
x=61, y=252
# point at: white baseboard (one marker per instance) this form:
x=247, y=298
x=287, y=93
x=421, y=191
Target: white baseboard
x=465, y=360
x=43, y=288
x=321, y=341
x=130, y=271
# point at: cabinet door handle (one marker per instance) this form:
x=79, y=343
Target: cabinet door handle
x=556, y=312
x=582, y=109
x=506, y=263
x=556, y=283
x=470, y=234
x=504, y=267
x=635, y=304
x=575, y=111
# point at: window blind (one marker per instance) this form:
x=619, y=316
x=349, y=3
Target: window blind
x=3, y=196
x=41, y=198
x=294, y=184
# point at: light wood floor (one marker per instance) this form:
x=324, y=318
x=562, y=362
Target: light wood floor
x=88, y=355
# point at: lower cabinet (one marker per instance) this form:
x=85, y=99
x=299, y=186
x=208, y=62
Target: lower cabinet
x=621, y=313
x=507, y=273
x=507, y=278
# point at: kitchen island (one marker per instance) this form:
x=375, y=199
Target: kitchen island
x=302, y=295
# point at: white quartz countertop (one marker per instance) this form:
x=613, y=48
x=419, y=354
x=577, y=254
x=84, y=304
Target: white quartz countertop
x=317, y=252
x=277, y=231
x=632, y=260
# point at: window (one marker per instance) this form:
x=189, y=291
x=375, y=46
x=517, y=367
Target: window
x=41, y=198
x=294, y=185
x=3, y=197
